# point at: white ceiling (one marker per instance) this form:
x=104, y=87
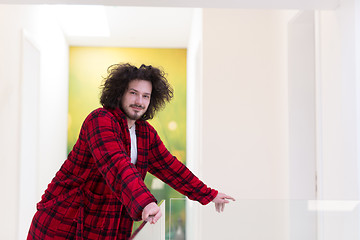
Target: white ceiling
x=128, y=26
x=149, y=23
x=263, y=4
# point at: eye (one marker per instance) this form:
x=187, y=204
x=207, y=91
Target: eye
x=146, y=96
x=132, y=93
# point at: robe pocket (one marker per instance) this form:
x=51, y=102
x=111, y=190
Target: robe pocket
x=98, y=210
x=56, y=201
x=69, y=210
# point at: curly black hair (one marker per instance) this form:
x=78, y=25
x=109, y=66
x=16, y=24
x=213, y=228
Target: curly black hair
x=118, y=79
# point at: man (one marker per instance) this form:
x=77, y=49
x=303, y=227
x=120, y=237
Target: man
x=99, y=190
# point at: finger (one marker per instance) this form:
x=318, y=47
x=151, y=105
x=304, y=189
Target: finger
x=145, y=215
x=222, y=207
x=154, y=218
x=150, y=210
x=157, y=217
x=229, y=197
x=149, y=219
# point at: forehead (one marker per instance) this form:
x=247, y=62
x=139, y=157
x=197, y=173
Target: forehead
x=140, y=85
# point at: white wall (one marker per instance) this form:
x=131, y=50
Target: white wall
x=339, y=102
x=244, y=115
x=39, y=23
x=193, y=115
x=245, y=118
x=301, y=100
x=357, y=64
x=29, y=130
x=302, y=124
x=338, y=76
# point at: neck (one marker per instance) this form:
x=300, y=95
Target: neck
x=130, y=122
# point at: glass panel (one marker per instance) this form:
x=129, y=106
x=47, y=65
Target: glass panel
x=177, y=219
x=264, y=219
x=273, y=220
x=146, y=231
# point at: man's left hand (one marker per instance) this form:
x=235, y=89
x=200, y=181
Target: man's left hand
x=220, y=200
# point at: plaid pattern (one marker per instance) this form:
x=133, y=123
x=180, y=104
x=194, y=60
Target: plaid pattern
x=98, y=192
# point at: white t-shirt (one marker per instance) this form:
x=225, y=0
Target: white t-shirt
x=133, y=148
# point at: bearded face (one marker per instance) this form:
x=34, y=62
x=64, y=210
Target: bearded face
x=136, y=99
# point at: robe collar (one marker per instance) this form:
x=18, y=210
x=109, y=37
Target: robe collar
x=120, y=115
x=142, y=136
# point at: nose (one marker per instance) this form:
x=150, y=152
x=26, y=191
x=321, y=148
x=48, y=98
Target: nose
x=138, y=100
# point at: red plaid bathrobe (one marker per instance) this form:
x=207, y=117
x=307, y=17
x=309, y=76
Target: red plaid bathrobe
x=98, y=192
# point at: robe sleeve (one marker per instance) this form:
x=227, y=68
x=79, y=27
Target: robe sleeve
x=111, y=159
x=174, y=173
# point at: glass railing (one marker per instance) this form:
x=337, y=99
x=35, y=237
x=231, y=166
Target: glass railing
x=177, y=219
x=148, y=231
x=264, y=220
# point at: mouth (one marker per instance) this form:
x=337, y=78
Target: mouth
x=137, y=107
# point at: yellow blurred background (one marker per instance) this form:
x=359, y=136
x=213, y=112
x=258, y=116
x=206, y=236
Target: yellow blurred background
x=88, y=67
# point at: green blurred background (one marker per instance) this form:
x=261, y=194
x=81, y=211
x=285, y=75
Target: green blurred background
x=88, y=67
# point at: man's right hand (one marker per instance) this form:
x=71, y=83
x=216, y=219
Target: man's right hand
x=151, y=213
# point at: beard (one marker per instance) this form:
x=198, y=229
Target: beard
x=131, y=114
